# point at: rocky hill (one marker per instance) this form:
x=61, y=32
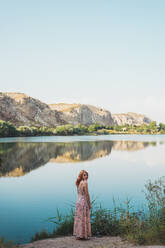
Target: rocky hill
x=21, y=109
x=83, y=113
x=130, y=118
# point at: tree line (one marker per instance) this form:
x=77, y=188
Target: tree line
x=7, y=129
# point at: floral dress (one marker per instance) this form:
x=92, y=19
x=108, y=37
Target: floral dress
x=82, y=225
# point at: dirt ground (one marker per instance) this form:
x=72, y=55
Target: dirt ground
x=94, y=242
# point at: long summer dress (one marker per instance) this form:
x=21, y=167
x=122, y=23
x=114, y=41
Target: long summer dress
x=82, y=225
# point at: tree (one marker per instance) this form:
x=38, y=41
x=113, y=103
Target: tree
x=152, y=125
x=161, y=127
x=92, y=128
x=24, y=130
x=7, y=129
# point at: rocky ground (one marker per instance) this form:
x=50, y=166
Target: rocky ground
x=94, y=242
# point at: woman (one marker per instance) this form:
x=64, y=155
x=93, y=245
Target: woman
x=82, y=225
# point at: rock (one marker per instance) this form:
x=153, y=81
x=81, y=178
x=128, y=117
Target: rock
x=130, y=119
x=85, y=114
x=21, y=109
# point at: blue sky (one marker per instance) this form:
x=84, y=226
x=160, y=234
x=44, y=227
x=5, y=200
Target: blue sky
x=106, y=53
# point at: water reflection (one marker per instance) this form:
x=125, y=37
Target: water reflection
x=17, y=159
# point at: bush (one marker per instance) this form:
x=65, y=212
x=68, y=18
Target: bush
x=25, y=130
x=7, y=129
x=161, y=127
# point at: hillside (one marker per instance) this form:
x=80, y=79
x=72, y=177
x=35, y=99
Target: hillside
x=130, y=119
x=83, y=113
x=22, y=110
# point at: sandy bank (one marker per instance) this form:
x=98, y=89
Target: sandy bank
x=94, y=242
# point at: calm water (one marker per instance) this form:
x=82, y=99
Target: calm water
x=37, y=175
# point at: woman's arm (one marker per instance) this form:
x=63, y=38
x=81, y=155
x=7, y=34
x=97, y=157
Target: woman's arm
x=87, y=193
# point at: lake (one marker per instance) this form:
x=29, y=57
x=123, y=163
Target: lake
x=38, y=174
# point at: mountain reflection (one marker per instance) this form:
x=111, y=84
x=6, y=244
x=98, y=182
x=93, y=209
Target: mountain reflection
x=17, y=159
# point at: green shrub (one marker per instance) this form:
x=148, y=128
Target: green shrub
x=7, y=129
x=25, y=130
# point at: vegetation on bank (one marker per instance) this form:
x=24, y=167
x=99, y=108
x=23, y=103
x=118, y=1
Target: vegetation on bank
x=7, y=243
x=145, y=226
x=7, y=129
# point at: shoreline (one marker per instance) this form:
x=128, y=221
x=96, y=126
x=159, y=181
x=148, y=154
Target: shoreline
x=85, y=134
x=7, y=129
x=94, y=242
x=116, y=227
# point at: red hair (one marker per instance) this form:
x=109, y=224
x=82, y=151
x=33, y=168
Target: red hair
x=80, y=177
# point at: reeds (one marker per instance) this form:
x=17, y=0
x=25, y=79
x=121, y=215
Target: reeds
x=7, y=243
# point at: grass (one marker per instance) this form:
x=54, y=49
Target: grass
x=139, y=227
x=7, y=243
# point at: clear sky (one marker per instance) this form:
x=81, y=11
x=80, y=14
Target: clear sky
x=109, y=53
